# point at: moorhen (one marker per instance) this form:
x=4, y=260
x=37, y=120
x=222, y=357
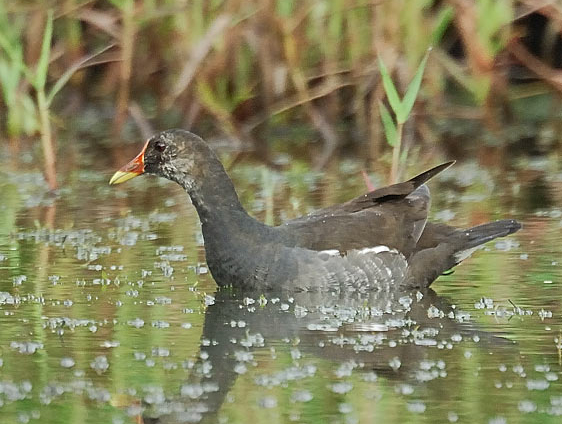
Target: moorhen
x=380, y=240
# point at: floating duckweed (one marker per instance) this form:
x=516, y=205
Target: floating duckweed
x=240, y=368
x=537, y=384
x=26, y=348
x=268, y=402
x=341, y=387
x=160, y=351
x=18, y=280
x=527, y=406
x=160, y=324
x=452, y=417
x=301, y=396
x=100, y=364
x=139, y=356
x=67, y=362
x=395, y=363
x=416, y=407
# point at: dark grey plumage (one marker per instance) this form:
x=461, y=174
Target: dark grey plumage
x=334, y=248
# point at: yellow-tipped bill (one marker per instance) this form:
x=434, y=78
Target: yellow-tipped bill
x=131, y=170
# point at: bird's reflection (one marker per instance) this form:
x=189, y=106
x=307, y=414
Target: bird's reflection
x=388, y=333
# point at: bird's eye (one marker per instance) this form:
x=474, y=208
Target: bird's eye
x=159, y=146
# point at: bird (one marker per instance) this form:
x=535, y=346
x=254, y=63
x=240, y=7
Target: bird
x=381, y=240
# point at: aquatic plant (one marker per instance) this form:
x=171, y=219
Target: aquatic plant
x=21, y=115
x=26, y=115
x=484, y=27
x=242, y=67
x=401, y=108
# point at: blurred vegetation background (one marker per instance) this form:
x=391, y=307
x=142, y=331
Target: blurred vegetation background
x=244, y=72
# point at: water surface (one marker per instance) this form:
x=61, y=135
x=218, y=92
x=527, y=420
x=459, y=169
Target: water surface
x=109, y=314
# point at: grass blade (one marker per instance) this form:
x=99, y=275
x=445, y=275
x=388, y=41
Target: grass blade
x=7, y=46
x=80, y=64
x=444, y=18
x=199, y=52
x=388, y=124
x=43, y=63
x=389, y=88
x=412, y=92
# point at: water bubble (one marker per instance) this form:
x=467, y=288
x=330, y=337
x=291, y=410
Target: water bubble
x=395, y=363
x=100, y=364
x=268, y=402
x=370, y=377
x=155, y=395
x=193, y=391
x=537, y=384
x=243, y=356
x=160, y=324
x=345, y=408
x=240, y=368
x=18, y=280
x=26, y=348
x=527, y=406
x=404, y=389
x=137, y=323
x=542, y=368
x=67, y=362
x=161, y=352
x=416, y=407
x=301, y=396
x=7, y=299
x=139, y=356
x=345, y=369
x=341, y=387
x=550, y=376
x=518, y=369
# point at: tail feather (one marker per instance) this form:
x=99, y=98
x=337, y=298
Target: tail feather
x=481, y=234
x=475, y=237
x=422, y=178
x=427, y=264
x=400, y=190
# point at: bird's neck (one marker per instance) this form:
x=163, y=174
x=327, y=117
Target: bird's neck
x=228, y=230
x=215, y=198
x=220, y=211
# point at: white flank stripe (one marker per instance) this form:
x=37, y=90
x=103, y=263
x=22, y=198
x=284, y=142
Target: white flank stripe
x=331, y=252
x=376, y=249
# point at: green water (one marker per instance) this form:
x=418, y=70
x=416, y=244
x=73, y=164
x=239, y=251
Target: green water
x=108, y=314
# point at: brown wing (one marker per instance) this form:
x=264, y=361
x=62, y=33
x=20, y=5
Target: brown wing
x=393, y=216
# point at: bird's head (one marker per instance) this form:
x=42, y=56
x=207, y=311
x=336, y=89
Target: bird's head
x=177, y=155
